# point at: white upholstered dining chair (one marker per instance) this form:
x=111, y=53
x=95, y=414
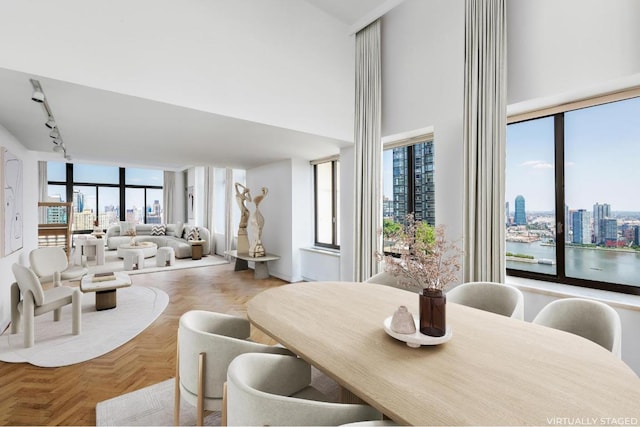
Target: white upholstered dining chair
x=36, y=301
x=52, y=262
x=384, y=278
x=207, y=343
x=271, y=389
x=495, y=297
x=590, y=319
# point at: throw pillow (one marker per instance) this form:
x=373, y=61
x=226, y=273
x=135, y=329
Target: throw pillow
x=194, y=234
x=158, y=230
x=127, y=228
x=179, y=229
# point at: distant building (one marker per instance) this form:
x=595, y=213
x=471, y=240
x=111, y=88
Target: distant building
x=581, y=220
x=418, y=172
x=520, y=216
x=600, y=213
x=506, y=213
x=636, y=235
x=387, y=208
x=568, y=224
x=609, y=231
x=78, y=201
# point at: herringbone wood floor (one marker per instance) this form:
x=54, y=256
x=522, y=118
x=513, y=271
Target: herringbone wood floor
x=67, y=396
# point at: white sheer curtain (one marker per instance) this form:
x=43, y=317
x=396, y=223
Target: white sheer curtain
x=484, y=139
x=228, y=212
x=208, y=219
x=368, y=151
x=168, y=194
x=43, y=189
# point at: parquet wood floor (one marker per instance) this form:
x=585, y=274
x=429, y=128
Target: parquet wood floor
x=68, y=395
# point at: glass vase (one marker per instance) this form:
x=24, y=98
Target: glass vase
x=433, y=312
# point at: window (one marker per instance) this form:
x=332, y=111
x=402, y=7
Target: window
x=98, y=193
x=571, y=211
x=327, y=196
x=408, y=181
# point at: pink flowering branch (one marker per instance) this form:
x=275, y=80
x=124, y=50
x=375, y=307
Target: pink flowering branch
x=426, y=260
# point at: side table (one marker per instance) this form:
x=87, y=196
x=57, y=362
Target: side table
x=196, y=249
x=260, y=268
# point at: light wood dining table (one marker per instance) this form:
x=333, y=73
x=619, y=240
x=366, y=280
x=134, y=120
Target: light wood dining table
x=495, y=370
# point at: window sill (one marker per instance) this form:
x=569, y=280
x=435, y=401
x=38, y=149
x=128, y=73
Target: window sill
x=625, y=301
x=325, y=251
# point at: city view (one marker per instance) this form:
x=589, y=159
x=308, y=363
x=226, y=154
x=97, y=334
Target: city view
x=600, y=146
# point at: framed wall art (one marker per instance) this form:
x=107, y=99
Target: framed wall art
x=11, y=178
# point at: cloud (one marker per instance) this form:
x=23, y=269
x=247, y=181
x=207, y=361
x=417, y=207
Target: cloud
x=537, y=164
x=568, y=164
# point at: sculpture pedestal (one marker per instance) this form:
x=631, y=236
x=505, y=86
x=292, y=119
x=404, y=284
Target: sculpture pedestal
x=243, y=248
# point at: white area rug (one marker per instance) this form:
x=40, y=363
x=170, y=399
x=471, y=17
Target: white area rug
x=153, y=405
x=113, y=263
x=102, y=331
x=150, y=406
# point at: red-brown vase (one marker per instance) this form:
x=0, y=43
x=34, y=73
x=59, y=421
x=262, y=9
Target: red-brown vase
x=433, y=312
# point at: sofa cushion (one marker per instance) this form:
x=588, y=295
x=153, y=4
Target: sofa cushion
x=193, y=234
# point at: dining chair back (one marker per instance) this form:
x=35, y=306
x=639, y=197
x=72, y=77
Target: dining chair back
x=271, y=389
x=384, y=278
x=207, y=343
x=495, y=297
x=29, y=299
x=590, y=319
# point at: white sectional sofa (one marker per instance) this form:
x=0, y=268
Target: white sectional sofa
x=175, y=237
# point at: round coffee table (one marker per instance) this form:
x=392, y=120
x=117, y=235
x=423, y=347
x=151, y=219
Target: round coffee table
x=148, y=249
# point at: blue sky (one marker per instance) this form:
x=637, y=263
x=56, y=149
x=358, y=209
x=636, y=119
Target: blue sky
x=602, y=159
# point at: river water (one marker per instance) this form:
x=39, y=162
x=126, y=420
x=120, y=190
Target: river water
x=591, y=264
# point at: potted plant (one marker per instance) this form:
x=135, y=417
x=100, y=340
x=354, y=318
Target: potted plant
x=422, y=259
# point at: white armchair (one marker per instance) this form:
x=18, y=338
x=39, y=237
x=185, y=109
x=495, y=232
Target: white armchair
x=36, y=301
x=271, y=389
x=590, y=319
x=489, y=296
x=207, y=343
x=52, y=262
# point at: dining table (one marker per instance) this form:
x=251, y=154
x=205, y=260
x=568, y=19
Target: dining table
x=494, y=370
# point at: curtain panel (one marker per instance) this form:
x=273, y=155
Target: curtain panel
x=485, y=140
x=368, y=151
x=168, y=194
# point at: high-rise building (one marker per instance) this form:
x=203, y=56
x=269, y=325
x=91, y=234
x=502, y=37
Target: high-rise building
x=636, y=235
x=417, y=171
x=609, y=231
x=506, y=213
x=520, y=216
x=581, y=227
x=78, y=201
x=600, y=212
x=568, y=224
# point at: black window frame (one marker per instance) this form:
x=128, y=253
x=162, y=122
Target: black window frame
x=70, y=184
x=560, y=276
x=335, y=223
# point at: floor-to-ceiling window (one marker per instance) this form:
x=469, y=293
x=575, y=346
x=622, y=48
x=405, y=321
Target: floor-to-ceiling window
x=99, y=192
x=571, y=184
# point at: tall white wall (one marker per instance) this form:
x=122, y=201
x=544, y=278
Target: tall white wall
x=555, y=47
x=30, y=221
x=422, y=86
x=279, y=62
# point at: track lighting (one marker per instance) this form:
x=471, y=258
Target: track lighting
x=58, y=143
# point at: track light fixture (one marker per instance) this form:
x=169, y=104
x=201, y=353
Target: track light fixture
x=39, y=96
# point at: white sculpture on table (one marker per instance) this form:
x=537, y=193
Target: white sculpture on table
x=256, y=222
x=243, y=195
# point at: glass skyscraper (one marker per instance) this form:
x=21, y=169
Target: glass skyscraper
x=413, y=170
x=520, y=216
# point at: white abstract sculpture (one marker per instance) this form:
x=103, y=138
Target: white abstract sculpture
x=243, y=195
x=256, y=222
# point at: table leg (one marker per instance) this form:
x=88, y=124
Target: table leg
x=241, y=264
x=106, y=300
x=261, y=271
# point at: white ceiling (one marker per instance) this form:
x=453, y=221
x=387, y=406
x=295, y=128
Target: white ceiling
x=102, y=126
